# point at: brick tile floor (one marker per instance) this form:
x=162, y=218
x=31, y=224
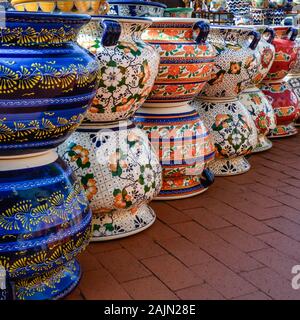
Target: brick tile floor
x=239, y=240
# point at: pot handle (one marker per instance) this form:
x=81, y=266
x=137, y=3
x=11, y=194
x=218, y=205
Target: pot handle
x=111, y=32
x=207, y=178
x=293, y=33
x=203, y=31
x=256, y=38
x=271, y=33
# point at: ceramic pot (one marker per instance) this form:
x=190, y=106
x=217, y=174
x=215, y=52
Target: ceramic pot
x=253, y=98
x=53, y=6
x=179, y=12
x=185, y=63
x=44, y=223
x=184, y=147
x=134, y=8
x=259, y=16
x=233, y=129
x=120, y=173
x=128, y=66
x=47, y=81
x=278, y=91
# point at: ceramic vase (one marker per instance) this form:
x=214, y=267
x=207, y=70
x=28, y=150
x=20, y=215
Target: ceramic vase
x=233, y=128
x=136, y=8
x=120, y=173
x=47, y=82
x=184, y=147
x=65, y=6
x=45, y=222
x=186, y=61
x=254, y=99
x=128, y=66
x=276, y=88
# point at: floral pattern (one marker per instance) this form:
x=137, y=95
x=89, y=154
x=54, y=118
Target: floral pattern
x=128, y=70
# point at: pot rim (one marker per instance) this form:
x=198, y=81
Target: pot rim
x=143, y=3
x=120, y=18
x=225, y=27
x=40, y=17
x=175, y=20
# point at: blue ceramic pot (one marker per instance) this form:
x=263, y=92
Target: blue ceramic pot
x=136, y=8
x=44, y=223
x=47, y=81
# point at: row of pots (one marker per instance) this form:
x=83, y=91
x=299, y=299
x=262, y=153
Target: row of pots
x=49, y=87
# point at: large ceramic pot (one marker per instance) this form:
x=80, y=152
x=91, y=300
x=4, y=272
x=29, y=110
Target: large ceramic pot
x=186, y=61
x=136, y=8
x=275, y=87
x=44, y=223
x=47, y=82
x=120, y=174
x=66, y=6
x=254, y=99
x=184, y=147
x=128, y=66
x=233, y=129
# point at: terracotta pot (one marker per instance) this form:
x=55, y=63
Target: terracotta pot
x=279, y=92
x=233, y=129
x=128, y=66
x=120, y=173
x=185, y=61
x=184, y=147
x=254, y=99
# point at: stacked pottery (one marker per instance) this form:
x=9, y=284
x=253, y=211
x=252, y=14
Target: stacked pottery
x=111, y=157
x=254, y=99
x=136, y=8
x=174, y=128
x=232, y=126
x=293, y=78
x=47, y=83
x=284, y=101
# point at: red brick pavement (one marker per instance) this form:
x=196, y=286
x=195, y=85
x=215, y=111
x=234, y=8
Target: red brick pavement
x=239, y=240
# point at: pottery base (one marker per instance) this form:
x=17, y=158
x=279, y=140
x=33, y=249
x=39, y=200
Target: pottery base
x=283, y=131
x=263, y=144
x=229, y=167
x=53, y=285
x=180, y=193
x=122, y=224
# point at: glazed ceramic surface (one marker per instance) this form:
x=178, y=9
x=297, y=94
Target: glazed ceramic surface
x=186, y=61
x=137, y=8
x=179, y=12
x=120, y=174
x=47, y=81
x=72, y=6
x=128, y=66
x=262, y=113
x=44, y=223
x=236, y=63
x=184, y=147
x=234, y=134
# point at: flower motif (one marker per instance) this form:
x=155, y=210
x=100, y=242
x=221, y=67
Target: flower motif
x=236, y=139
x=235, y=68
x=91, y=189
x=266, y=57
x=112, y=76
x=174, y=70
x=79, y=154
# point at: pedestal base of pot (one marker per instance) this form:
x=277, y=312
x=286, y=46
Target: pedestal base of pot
x=52, y=285
x=121, y=224
x=229, y=167
x=283, y=131
x=263, y=144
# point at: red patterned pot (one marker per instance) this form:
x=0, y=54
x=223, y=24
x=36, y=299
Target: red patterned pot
x=184, y=147
x=284, y=100
x=186, y=61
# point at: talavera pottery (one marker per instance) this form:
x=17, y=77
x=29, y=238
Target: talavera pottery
x=128, y=66
x=253, y=98
x=233, y=129
x=179, y=12
x=120, y=174
x=276, y=88
x=136, y=8
x=184, y=147
x=186, y=60
x=47, y=81
x=66, y=6
x=293, y=78
x=44, y=223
